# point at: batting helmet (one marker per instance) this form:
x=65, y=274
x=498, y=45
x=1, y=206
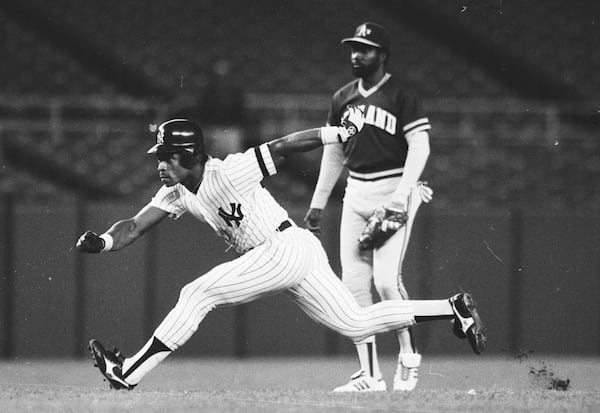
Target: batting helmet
x=178, y=135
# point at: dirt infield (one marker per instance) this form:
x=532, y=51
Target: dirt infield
x=302, y=384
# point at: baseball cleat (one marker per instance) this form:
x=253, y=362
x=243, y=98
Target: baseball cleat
x=467, y=322
x=110, y=364
x=407, y=372
x=362, y=382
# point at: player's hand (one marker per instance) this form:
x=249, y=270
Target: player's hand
x=90, y=242
x=312, y=219
x=353, y=121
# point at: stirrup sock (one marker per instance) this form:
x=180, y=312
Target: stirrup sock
x=136, y=367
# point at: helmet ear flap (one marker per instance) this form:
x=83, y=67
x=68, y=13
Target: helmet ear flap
x=188, y=159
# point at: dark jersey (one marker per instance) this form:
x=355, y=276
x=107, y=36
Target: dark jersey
x=391, y=114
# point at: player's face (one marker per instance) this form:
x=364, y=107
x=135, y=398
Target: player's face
x=170, y=170
x=364, y=59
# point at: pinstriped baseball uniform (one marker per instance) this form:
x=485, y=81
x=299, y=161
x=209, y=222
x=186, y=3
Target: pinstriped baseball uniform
x=277, y=256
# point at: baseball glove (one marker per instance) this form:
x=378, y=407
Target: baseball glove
x=382, y=224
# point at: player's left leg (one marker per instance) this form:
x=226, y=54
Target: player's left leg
x=331, y=304
x=324, y=298
x=387, y=276
x=357, y=273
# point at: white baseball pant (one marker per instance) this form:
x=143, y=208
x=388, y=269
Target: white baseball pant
x=292, y=261
x=383, y=266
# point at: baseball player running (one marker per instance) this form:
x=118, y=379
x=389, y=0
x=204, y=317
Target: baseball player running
x=385, y=162
x=276, y=255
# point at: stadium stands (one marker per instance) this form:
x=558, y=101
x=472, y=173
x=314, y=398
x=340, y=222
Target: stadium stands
x=556, y=38
x=32, y=65
x=288, y=58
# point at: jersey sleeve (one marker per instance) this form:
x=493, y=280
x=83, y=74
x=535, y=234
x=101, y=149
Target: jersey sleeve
x=412, y=114
x=249, y=168
x=167, y=199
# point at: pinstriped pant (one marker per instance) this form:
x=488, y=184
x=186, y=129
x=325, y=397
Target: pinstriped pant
x=292, y=261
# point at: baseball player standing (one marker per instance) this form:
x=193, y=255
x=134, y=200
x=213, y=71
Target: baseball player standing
x=385, y=162
x=276, y=255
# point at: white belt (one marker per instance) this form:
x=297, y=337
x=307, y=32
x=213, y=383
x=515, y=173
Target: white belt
x=375, y=176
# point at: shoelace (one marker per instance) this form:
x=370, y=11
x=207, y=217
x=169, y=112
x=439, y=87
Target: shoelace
x=406, y=372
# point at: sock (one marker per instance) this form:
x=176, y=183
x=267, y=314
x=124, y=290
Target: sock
x=410, y=360
x=149, y=356
x=367, y=356
x=425, y=310
x=406, y=340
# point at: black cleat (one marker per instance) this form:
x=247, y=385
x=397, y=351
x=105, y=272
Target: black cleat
x=110, y=364
x=467, y=323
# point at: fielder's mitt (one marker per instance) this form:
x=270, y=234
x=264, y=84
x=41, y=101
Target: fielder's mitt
x=380, y=227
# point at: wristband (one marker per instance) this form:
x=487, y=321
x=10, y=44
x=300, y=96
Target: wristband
x=108, y=242
x=330, y=134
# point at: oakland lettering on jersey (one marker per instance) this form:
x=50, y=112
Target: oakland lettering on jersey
x=380, y=118
x=236, y=214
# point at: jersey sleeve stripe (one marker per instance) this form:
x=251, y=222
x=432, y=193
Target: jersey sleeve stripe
x=265, y=160
x=418, y=125
x=261, y=162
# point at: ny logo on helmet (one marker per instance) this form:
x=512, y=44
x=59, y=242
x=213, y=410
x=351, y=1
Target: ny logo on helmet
x=363, y=31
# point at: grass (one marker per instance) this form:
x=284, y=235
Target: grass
x=447, y=384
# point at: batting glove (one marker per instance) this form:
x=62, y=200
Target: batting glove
x=353, y=121
x=90, y=242
x=425, y=192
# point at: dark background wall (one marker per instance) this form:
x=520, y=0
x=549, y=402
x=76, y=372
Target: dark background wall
x=534, y=276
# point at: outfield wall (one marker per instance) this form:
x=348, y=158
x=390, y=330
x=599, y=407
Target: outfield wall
x=536, y=278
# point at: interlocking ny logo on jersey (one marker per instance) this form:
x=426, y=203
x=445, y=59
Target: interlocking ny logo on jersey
x=236, y=214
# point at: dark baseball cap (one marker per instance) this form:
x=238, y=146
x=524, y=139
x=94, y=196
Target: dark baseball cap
x=177, y=135
x=371, y=34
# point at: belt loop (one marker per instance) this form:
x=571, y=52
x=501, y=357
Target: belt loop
x=284, y=225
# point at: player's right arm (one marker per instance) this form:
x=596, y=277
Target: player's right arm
x=122, y=233
x=332, y=164
x=309, y=139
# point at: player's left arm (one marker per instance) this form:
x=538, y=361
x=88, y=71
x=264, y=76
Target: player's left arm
x=307, y=140
x=416, y=159
x=415, y=128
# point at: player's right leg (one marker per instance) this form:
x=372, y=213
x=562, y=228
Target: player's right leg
x=267, y=269
x=357, y=277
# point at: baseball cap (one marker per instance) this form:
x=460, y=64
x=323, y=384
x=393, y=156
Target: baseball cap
x=371, y=34
x=177, y=135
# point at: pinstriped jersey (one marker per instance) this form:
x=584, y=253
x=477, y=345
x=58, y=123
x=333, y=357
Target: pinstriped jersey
x=231, y=198
x=391, y=114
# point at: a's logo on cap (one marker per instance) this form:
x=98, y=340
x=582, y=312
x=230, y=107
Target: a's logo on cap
x=363, y=31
